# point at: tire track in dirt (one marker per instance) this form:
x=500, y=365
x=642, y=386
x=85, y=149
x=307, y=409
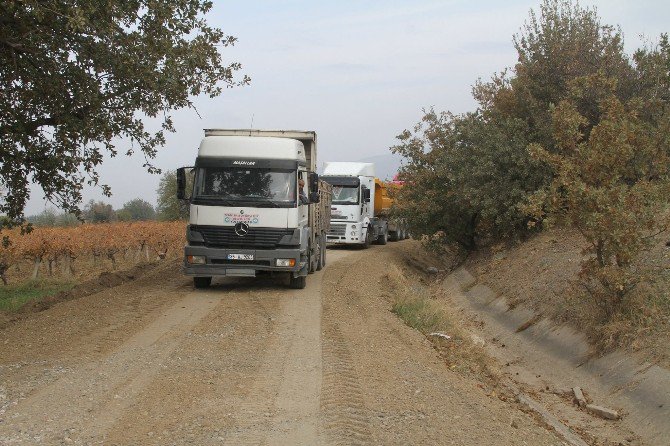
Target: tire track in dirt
x=292, y=416
x=345, y=418
x=248, y=374
x=342, y=403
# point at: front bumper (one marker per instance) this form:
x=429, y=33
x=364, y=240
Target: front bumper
x=342, y=232
x=217, y=263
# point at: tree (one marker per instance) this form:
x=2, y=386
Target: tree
x=468, y=175
x=137, y=210
x=465, y=176
x=98, y=212
x=564, y=42
x=169, y=208
x=611, y=183
x=77, y=75
x=51, y=217
x=48, y=217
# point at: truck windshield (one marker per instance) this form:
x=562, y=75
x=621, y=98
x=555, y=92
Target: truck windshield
x=345, y=195
x=235, y=184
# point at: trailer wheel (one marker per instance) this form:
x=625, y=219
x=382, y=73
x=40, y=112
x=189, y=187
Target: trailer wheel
x=202, y=282
x=297, y=283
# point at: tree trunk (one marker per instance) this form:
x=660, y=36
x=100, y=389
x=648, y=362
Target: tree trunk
x=66, y=265
x=36, y=267
x=3, y=269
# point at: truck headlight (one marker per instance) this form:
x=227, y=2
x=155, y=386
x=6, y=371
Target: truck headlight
x=196, y=260
x=286, y=263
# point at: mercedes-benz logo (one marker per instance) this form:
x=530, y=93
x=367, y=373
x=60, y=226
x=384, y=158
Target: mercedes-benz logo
x=241, y=229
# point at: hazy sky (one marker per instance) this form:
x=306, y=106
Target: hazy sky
x=356, y=72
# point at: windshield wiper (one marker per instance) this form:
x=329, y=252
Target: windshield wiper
x=269, y=203
x=213, y=200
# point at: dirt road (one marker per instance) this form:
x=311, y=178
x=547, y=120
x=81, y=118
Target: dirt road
x=246, y=362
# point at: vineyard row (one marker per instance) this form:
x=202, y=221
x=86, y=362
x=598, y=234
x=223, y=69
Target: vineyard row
x=111, y=241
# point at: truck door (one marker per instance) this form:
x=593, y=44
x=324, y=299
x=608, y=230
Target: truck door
x=303, y=209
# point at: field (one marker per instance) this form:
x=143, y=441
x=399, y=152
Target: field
x=48, y=260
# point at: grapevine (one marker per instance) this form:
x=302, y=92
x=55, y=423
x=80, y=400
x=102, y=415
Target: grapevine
x=47, y=249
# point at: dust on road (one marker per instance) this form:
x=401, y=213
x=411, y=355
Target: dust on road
x=245, y=362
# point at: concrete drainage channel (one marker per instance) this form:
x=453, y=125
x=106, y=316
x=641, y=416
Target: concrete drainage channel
x=563, y=356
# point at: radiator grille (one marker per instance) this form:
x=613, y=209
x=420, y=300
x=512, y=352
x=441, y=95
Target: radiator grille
x=337, y=229
x=225, y=236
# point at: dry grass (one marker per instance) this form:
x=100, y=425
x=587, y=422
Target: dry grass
x=415, y=303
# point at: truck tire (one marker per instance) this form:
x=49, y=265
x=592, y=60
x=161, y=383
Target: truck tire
x=321, y=254
x=383, y=237
x=311, y=259
x=297, y=283
x=366, y=243
x=202, y=282
x=325, y=248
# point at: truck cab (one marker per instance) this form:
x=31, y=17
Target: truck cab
x=255, y=206
x=353, y=219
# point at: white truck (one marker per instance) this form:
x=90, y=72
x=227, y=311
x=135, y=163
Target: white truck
x=257, y=206
x=360, y=206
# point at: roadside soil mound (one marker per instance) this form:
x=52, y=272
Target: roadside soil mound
x=541, y=274
x=103, y=281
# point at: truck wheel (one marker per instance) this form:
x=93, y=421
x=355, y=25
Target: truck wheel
x=366, y=243
x=202, y=282
x=311, y=260
x=383, y=238
x=297, y=283
x=325, y=248
x=321, y=254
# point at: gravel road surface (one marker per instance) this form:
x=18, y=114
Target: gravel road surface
x=246, y=362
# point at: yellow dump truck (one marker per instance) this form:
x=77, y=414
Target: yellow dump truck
x=385, y=191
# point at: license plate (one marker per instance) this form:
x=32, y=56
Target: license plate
x=240, y=256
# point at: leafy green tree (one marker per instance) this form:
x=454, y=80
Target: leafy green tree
x=137, y=210
x=98, y=212
x=51, y=217
x=465, y=176
x=48, y=217
x=563, y=42
x=169, y=208
x=468, y=175
x=77, y=75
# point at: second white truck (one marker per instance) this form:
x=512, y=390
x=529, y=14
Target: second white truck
x=360, y=206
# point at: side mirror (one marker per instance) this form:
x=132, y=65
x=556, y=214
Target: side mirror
x=181, y=183
x=314, y=182
x=314, y=197
x=366, y=195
